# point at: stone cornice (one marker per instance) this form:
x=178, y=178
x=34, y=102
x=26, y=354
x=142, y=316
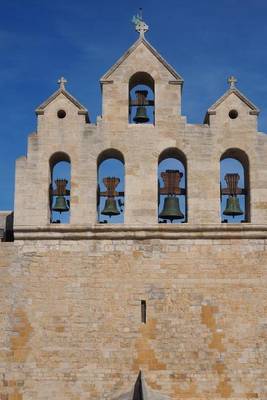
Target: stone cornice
x=124, y=232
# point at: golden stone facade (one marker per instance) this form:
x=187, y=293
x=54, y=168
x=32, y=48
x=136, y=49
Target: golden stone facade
x=70, y=293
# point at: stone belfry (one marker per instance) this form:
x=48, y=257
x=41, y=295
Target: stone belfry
x=139, y=266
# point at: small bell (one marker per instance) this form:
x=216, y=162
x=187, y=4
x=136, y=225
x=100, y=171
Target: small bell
x=233, y=207
x=171, y=209
x=61, y=204
x=141, y=115
x=110, y=208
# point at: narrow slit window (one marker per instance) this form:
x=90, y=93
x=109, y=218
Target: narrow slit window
x=143, y=311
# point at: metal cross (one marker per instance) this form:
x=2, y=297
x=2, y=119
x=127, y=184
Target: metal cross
x=62, y=82
x=140, y=25
x=232, y=81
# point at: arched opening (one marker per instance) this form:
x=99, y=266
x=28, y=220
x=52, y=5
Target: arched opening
x=141, y=99
x=172, y=187
x=59, y=188
x=234, y=184
x=110, y=187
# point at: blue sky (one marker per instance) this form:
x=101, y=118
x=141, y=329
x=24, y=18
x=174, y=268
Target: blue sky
x=205, y=41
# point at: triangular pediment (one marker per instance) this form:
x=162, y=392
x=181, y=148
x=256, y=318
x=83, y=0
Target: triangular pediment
x=142, y=41
x=62, y=91
x=253, y=109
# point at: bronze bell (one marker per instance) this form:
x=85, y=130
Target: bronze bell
x=110, y=207
x=141, y=115
x=171, y=209
x=233, y=207
x=61, y=204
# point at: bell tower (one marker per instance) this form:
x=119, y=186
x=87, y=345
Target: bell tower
x=139, y=268
x=143, y=87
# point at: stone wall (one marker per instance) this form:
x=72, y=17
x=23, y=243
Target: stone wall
x=141, y=146
x=71, y=294
x=71, y=318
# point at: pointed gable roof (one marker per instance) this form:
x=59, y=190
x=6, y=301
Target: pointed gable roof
x=141, y=39
x=212, y=110
x=81, y=109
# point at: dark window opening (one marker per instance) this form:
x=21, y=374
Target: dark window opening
x=233, y=114
x=61, y=114
x=143, y=311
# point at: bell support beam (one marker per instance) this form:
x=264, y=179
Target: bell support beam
x=55, y=192
x=146, y=102
x=227, y=191
x=176, y=191
x=116, y=194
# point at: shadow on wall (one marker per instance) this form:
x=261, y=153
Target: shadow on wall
x=6, y=226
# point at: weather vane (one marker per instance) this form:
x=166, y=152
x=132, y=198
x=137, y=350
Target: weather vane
x=140, y=25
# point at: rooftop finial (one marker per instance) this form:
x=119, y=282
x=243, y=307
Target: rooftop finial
x=232, y=81
x=140, y=25
x=62, y=82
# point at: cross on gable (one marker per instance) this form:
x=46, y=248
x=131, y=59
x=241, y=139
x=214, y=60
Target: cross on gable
x=232, y=81
x=140, y=25
x=62, y=82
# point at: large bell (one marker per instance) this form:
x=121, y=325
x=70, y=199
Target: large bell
x=141, y=115
x=233, y=207
x=61, y=204
x=110, y=207
x=171, y=209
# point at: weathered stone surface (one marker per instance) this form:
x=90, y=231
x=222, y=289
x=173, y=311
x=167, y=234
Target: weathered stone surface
x=71, y=326
x=71, y=295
